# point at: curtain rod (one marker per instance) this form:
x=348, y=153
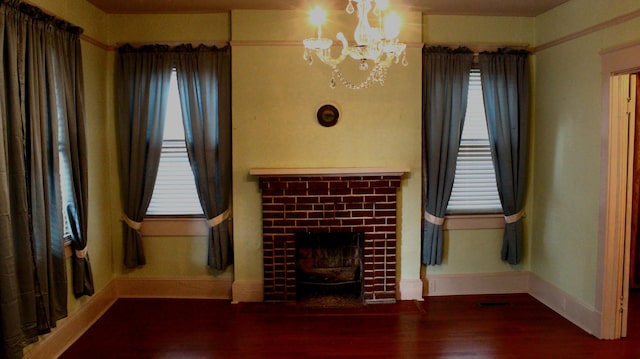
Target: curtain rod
x=478, y=48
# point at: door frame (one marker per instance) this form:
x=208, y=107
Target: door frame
x=611, y=289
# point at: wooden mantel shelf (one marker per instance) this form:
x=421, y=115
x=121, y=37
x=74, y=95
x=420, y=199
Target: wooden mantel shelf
x=328, y=171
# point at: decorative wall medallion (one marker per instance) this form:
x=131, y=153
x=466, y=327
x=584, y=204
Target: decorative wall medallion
x=327, y=115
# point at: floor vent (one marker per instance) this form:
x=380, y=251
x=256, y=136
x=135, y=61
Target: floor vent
x=495, y=304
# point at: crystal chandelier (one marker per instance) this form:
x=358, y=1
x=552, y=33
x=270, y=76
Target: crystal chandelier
x=379, y=45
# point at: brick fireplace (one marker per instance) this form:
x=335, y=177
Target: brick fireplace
x=356, y=200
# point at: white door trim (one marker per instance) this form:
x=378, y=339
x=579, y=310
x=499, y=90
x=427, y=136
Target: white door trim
x=613, y=197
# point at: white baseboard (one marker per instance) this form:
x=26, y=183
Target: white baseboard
x=198, y=288
x=574, y=310
x=477, y=283
x=52, y=345
x=411, y=289
x=248, y=291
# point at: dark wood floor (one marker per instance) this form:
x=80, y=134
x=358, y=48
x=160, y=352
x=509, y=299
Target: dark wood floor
x=495, y=326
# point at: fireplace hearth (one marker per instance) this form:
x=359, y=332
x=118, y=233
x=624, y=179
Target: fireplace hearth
x=298, y=202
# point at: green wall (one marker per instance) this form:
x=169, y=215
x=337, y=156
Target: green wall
x=478, y=251
x=567, y=141
x=275, y=95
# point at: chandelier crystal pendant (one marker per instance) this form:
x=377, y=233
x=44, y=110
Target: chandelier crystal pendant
x=378, y=45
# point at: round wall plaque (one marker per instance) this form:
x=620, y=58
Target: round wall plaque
x=327, y=115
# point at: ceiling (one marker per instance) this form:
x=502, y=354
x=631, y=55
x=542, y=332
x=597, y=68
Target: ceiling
x=448, y=7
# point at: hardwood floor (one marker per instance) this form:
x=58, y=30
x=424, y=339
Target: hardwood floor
x=488, y=326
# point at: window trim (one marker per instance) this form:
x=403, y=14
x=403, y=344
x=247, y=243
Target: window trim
x=474, y=221
x=174, y=226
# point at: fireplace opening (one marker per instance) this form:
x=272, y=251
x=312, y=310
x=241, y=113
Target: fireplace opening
x=329, y=266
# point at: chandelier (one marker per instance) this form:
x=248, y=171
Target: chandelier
x=378, y=45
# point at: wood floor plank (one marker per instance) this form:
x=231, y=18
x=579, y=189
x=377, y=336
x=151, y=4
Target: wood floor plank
x=488, y=326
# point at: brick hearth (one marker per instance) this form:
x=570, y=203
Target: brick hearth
x=360, y=200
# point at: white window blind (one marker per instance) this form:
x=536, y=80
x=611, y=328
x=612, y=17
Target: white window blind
x=65, y=188
x=474, y=186
x=175, y=189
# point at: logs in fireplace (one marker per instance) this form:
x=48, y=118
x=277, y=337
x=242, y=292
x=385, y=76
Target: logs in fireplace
x=329, y=264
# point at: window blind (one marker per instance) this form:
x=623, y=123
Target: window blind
x=175, y=189
x=474, y=186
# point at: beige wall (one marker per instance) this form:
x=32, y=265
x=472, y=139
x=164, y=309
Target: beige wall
x=275, y=95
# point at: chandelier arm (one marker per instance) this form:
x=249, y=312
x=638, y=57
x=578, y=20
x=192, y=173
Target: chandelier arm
x=325, y=54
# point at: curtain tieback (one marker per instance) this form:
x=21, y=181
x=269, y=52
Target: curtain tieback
x=82, y=253
x=213, y=222
x=131, y=223
x=514, y=217
x=438, y=221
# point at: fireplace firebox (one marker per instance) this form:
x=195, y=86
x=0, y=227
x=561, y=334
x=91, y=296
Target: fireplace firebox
x=329, y=264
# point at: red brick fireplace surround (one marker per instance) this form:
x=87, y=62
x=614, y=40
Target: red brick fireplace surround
x=357, y=200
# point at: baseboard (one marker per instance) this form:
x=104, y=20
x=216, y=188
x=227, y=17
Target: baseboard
x=198, y=288
x=411, y=289
x=71, y=328
x=574, y=310
x=248, y=291
x=477, y=283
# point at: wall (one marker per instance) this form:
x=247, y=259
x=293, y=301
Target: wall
x=167, y=256
x=478, y=251
x=275, y=96
x=567, y=140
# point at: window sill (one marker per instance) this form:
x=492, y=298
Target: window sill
x=474, y=221
x=174, y=227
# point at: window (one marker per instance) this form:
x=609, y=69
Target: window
x=474, y=187
x=65, y=185
x=175, y=189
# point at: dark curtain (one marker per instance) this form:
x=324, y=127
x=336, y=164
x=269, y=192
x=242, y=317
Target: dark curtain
x=444, y=102
x=142, y=88
x=37, y=76
x=205, y=95
x=505, y=88
x=74, y=155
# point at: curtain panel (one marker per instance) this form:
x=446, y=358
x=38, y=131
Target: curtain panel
x=204, y=84
x=73, y=159
x=41, y=82
x=505, y=88
x=445, y=81
x=142, y=88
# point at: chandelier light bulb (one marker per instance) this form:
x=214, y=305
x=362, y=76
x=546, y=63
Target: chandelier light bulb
x=317, y=16
x=392, y=23
x=382, y=5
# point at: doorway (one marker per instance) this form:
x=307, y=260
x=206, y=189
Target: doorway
x=634, y=247
x=617, y=190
